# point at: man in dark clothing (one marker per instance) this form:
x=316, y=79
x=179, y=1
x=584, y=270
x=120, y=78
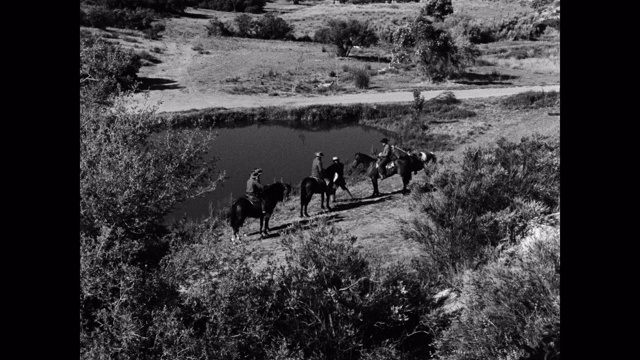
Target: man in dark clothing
x=384, y=158
x=254, y=189
x=317, y=170
x=338, y=168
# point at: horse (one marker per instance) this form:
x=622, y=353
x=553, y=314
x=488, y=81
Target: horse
x=242, y=208
x=402, y=165
x=310, y=186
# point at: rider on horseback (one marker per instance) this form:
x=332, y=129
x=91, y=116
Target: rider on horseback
x=255, y=188
x=317, y=170
x=384, y=158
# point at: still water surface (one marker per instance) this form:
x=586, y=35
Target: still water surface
x=281, y=152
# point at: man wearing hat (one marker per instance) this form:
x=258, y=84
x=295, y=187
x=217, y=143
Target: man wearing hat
x=338, y=180
x=254, y=189
x=317, y=170
x=384, y=158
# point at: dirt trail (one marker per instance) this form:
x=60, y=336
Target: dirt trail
x=375, y=222
x=171, y=100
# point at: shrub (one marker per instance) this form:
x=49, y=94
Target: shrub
x=271, y=27
x=437, y=53
x=344, y=34
x=489, y=200
x=511, y=307
x=216, y=27
x=98, y=17
x=130, y=180
x=532, y=100
x=439, y=9
x=105, y=68
x=361, y=78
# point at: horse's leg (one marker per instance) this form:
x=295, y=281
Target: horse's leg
x=328, y=196
x=261, y=222
x=267, y=216
x=374, y=181
x=304, y=203
x=322, y=199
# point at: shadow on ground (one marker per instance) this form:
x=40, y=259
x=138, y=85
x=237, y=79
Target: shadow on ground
x=328, y=217
x=375, y=59
x=468, y=78
x=157, y=84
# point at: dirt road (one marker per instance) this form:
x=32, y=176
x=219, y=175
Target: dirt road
x=170, y=100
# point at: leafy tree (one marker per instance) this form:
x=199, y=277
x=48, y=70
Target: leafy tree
x=439, y=9
x=130, y=179
x=105, y=68
x=436, y=52
x=345, y=34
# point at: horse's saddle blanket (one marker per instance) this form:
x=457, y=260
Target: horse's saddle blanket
x=389, y=166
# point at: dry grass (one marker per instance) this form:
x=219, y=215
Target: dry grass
x=200, y=64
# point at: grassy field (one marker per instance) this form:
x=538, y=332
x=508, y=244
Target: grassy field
x=186, y=57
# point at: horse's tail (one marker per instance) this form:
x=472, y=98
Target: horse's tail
x=233, y=218
x=303, y=191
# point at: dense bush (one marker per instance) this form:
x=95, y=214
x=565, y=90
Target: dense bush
x=489, y=200
x=439, y=9
x=345, y=34
x=511, y=307
x=436, y=52
x=217, y=27
x=105, y=68
x=129, y=14
x=268, y=27
x=361, y=78
x=481, y=31
x=272, y=27
x=532, y=100
x=478, y=31
x=129, y=181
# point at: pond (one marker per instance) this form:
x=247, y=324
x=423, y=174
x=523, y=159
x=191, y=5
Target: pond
x=281, y=152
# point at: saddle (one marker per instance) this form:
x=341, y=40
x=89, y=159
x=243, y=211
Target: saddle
x=254, y=200
x=320, y=182
x=390, y=166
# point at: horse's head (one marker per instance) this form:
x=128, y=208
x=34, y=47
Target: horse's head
x=358, y=160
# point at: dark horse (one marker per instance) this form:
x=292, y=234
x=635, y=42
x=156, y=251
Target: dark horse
x=403, y=165
x=310, y=186
x=242, y=208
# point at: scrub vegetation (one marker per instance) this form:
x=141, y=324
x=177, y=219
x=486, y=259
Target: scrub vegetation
x=483, y=277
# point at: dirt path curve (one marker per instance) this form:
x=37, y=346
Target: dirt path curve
x=171, y=100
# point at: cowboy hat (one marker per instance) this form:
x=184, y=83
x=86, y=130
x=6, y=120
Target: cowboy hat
x=384, y=140
x=256, y=172
x=335, y=158
x=319, y=154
